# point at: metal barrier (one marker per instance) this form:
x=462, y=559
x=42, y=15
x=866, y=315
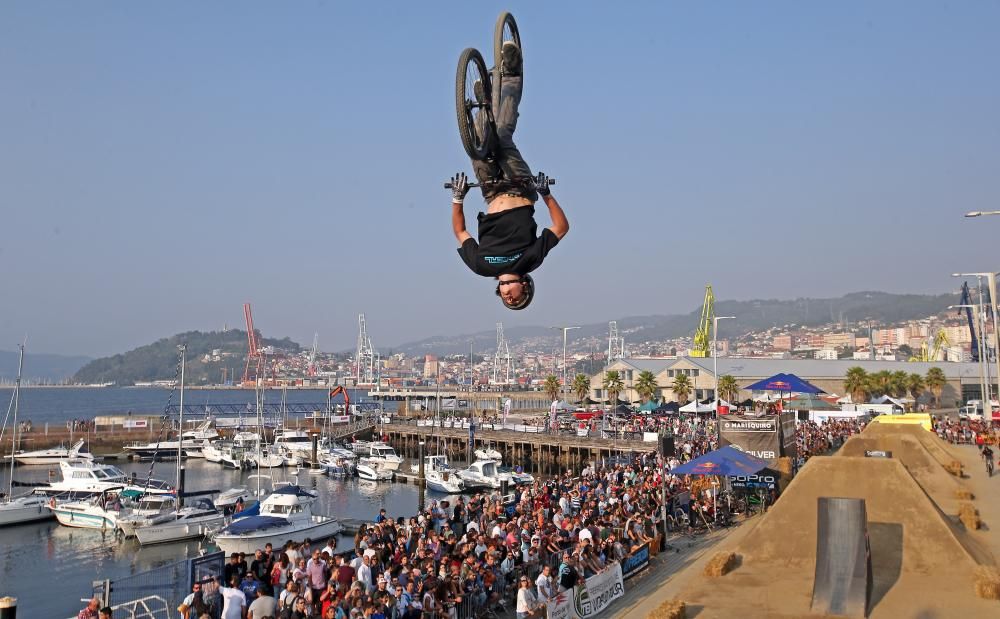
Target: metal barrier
x=134, y=597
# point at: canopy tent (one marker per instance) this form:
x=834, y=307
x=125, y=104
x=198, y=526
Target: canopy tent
x=623, y=410
x=747, y=403
x=563, y=405
x=696, y=407
x=784, y=382
x=900, y=402
x=667, y=407
x=766, y=397
x=847, y=399
x=649, y=406
x=589, y=401
x=809, y=402
x=725, y=461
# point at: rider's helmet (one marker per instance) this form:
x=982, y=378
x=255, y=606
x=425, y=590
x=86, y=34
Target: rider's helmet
x=515, y=301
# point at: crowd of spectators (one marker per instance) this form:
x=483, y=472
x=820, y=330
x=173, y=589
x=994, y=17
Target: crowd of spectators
x=966, y=431
x=815, y=439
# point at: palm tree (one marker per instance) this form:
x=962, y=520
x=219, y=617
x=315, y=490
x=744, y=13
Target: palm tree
x=552, y=387
x=856, y=384
x=729, y=389
x=881, y=382
x=915, y=384
x=581, y=387
x=936, y=381
x=646, y=385
x=900, y=384
x=682, y=388
x=614, y=385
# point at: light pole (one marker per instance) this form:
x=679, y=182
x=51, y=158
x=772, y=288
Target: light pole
x=715, y=375
x=564, y=331
x=991, y=280
x=982, y=374
x=981, y=213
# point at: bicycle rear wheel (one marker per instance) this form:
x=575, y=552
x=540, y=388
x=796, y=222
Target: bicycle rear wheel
x=469, y=107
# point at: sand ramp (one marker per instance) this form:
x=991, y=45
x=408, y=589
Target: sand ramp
x=938, y=449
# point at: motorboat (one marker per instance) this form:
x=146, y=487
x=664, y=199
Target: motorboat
x=435, y=462
x=26, y=508
x=515, y=476
x=192, y=444
x=373, y=470
x=336, y=466
x=285, y=515
x=90, y=478
x=377, y=451
x=228, y=454
x=99, y=512
x=75, y=454
x=488, y=453
x=439, y=476
x=228, y=500
x=192, y=521
x=296, y=442
x=481, y=474
x=150, y=509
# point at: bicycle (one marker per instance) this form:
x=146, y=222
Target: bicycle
x=989, y=467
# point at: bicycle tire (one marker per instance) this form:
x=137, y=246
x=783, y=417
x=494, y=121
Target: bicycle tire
x=471, y=67
x=506, y=30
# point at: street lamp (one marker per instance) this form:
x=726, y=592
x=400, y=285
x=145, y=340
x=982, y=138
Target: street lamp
x=981, y=213
x=991, y=279
x=564, y=330
x=715, y=374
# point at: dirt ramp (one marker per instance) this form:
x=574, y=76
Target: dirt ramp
x=922, y=564
x=940, y=485
x=938, y=449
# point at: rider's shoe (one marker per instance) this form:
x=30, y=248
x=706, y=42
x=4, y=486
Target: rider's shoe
x=479, y=91
x=510, y=59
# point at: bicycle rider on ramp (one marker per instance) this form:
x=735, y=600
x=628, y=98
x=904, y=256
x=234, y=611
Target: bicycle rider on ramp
x=509, y=247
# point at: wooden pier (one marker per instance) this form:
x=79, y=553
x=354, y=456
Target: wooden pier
x=538, y=453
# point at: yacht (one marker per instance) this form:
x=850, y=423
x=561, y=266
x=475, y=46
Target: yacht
x=192, y=444
x=488, y=453
x=150, y=508
x=371, y=469
x=190, y=522
x=378, y=452
x=91, y=478
x=98, y=512
x=232, y=455
x=27, y=508
x=481, y=474
x=296, y=442
x=439, y=476
x=284, y=515
x=75, y=454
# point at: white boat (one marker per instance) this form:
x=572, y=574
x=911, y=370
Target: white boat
x=150, y=509
x=378, y=452
x=516, y=477
x=192, y=444
x=488, y=453
x=371, y=470
x=99, y=512
x=27, y=508
x=228, y=499
x=90, y=478
x=228, y=454
x=284, y=515
x=481, y=474
x=447, y=482
x=75, y=454
x=190, y=522
x=297, y=442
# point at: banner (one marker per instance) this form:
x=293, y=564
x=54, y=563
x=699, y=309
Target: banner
x=635, y=562
x=757, y=436
x=135, y=423
x=590, y=599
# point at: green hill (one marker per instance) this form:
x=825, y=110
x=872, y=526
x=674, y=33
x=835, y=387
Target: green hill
x=159, y=360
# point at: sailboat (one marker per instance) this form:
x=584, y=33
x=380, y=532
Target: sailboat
x=27, y=508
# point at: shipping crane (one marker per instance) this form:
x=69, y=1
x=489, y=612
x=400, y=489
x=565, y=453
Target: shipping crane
x=702, y=336
x=254, y=368
x=311, y=371
x=940, y=344
x=967, y=302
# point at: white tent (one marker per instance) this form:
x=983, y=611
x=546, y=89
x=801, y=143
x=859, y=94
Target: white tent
x=900, y=402
x=695, y=407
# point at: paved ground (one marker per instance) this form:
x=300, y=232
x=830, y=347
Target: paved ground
x=987, y=492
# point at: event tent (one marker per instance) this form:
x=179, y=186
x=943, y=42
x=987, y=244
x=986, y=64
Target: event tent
x=695, y=407
x=809, y=402
x=667, y=407
x=784, y=383
x=725, y=461
x=649, y=406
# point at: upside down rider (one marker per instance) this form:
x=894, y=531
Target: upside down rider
x=509, y=247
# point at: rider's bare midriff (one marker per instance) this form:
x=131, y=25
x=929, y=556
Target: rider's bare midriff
x=505, y=203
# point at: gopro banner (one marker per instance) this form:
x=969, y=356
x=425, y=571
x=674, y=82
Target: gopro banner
x=590, y=599
x=635, y=562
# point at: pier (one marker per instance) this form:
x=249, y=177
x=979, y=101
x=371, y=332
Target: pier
x=539, y=453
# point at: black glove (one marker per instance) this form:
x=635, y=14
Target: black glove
x=459, y=187
x=542, y=184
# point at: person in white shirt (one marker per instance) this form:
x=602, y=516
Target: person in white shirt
x=527, y=603
x=365, y=574
x=544, y=584
x=234, y=603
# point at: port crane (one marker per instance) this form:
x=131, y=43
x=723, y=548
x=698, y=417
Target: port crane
x=702, y=336
x=932, y=352
x=967, y=303
x=254, y=369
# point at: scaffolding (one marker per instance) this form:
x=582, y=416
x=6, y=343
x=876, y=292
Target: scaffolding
x=503, y=367
x=365, y=358
x=616, y=343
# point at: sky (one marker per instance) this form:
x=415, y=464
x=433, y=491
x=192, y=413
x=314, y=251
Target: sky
x=163, y=163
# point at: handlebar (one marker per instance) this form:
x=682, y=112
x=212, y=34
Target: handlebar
x=552, y=181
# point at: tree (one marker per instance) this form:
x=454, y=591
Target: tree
x=729, y=389
x=880, y=383
x=936, y=381
x=552, y=387
x=916, y=386
x=646, y=385
x=856, y=383
x=614, y=385
x=904, y=351
x=900, y=384
x=581, y=387
x=682, y=388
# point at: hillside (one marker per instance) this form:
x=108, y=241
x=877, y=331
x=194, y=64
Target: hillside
x=754, y=315
x=39, y=368
x=158, y=361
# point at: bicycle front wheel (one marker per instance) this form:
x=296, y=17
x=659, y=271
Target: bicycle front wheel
x=472, y=107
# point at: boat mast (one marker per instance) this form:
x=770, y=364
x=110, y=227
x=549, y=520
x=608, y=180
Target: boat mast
x=180, y=429
x=13, y=436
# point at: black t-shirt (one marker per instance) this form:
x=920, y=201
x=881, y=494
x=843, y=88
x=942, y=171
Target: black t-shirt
x=507, y=243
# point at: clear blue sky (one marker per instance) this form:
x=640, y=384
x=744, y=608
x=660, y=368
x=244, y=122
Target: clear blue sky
x=162, y=163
